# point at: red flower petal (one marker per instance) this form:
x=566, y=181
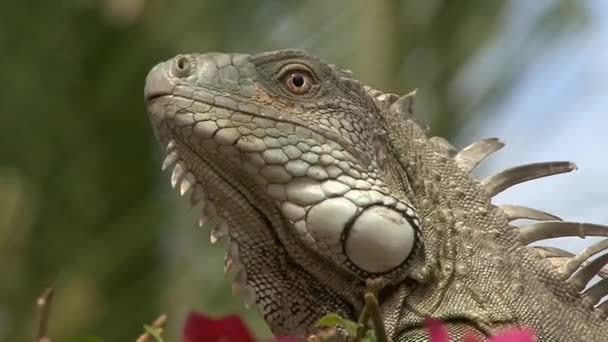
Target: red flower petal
x=436, y=330
x=471, y=338
x=515, y=335
x=200, y=328
x=438, y=333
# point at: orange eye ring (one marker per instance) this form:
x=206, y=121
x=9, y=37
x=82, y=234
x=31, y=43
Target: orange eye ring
x=298, y=82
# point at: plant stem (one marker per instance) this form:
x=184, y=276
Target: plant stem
x=362, y=323
x=44, y=306
x=158, y=323
x=372, y=304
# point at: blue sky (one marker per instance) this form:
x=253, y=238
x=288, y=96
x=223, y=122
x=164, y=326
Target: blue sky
x=557, y=111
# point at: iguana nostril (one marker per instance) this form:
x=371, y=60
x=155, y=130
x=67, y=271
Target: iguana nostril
x=181, y=66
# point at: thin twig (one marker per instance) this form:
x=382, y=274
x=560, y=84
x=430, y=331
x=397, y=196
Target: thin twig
x=372, y=287
x=372, y=309
x=158, y=323
x=362, y=323
x=372, y=303
x=44, y=307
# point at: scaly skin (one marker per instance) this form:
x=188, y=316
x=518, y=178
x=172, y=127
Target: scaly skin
x=321, y=183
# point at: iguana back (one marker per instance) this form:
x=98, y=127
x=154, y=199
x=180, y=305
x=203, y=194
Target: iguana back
x=321, y=182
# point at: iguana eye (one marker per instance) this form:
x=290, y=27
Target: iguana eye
x=298, y=81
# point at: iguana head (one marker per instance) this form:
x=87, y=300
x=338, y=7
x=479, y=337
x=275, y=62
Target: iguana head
x=289, y=153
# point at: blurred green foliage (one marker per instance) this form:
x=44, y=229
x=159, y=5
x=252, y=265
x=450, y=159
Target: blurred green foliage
x=83, y=205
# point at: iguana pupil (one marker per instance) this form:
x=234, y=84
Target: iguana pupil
x=297, y=80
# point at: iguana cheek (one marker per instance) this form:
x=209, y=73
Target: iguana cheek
x=326, y=221
x=368, y=240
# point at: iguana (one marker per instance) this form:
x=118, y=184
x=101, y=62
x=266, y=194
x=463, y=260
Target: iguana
x=320, y=183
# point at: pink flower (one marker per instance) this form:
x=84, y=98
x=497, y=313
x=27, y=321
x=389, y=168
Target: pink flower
x=514, y=335
x=200, y=328
x=436, y=330
x=439, y=333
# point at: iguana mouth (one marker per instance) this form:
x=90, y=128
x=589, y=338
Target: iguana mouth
x=158, y=84
x=152, y=97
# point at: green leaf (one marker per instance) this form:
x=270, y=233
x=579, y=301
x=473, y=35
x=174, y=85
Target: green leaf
x=330, y=320
x=154, y=332
x=350, y=326
x=370, y=336
x=334, y=320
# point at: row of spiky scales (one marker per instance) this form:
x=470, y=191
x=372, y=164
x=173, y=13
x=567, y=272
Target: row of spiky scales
x=576, y=269
x=210, y=218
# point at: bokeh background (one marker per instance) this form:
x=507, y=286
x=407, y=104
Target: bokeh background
x=85, y=208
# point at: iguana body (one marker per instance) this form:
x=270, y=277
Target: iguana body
x=321, y=183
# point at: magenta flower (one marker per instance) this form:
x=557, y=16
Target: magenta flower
x=514, y=335
x=201, y=328
x=439, y=333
